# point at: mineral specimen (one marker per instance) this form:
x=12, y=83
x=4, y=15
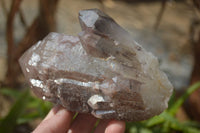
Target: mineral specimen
x=103, y=71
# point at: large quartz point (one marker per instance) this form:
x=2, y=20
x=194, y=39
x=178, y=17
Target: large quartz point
x=103, y=71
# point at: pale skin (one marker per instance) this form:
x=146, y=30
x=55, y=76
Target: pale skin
x=59, y=120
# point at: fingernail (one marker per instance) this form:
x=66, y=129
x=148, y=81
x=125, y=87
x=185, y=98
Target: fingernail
x=69, y=131
x=57, y=108
x=61, y=111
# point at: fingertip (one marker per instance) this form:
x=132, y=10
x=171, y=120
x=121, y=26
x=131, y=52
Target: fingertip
x=53, y=111
x=115, y=126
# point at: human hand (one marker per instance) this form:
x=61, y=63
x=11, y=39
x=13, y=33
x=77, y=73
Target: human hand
x=59, y=120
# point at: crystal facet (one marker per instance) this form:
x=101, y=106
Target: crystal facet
x=103, y=71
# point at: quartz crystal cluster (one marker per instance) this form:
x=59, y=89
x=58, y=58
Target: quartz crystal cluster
x=103, y=71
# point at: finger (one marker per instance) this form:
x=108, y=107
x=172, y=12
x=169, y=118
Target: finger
x=101, y=126
x=115, y=127
x=58, y=123
x=53, y=111
x=83, y=123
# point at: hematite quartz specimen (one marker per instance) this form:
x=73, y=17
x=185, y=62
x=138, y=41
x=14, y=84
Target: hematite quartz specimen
x=103, y=71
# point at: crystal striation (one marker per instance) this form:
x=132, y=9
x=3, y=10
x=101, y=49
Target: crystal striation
x=103, y=71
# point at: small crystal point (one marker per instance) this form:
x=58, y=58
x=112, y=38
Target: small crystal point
x=110, y=39
x=103, y=71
